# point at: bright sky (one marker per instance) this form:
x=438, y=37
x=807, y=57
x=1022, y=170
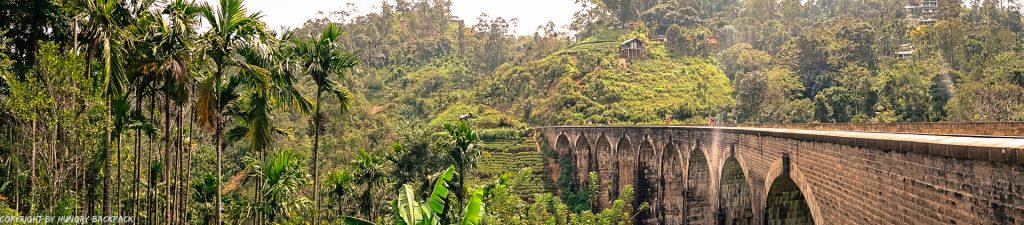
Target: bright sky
x=531, y=13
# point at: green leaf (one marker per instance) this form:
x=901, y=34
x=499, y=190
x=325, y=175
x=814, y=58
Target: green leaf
x=474, y=209
x=408, y=208
x=348, y=220
x=439, y=197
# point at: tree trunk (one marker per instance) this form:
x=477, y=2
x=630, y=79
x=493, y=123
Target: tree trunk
x=138, y=159
x=188, y=162
x=177, y=167
x=220, y=159
x=32, y=166
x=316, y=160
x=15, y=167
x=88, y=59
x=117, y=180
x=167, y=153
x=150, y=200
x=107, y=159
x=217, y=138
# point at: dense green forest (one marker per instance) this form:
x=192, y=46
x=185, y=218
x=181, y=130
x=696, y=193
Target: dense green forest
x=178, y=112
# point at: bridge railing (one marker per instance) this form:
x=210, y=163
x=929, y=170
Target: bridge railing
x=939, y=128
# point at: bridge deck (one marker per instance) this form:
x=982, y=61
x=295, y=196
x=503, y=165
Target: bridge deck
x=964, y=146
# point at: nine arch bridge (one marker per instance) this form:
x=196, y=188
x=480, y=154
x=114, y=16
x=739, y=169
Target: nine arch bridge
x=928, y=173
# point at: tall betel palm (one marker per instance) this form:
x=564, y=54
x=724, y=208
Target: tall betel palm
x=263, y=85
x=230, y=25
x=174, y=35
x=323, y=57
x=106, y=20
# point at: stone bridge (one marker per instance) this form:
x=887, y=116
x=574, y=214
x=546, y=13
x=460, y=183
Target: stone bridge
x=778, y=175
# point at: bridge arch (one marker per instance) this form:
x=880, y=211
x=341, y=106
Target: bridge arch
x=563, y=146
x=606, y=163
x=788, y=198
x=671, y=185
x=566, y=177
x=583, y=158
x=647, y=180
x=697, y=206
x=625, y=165
x=734, y=192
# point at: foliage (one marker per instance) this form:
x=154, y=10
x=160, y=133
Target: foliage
x=905, y=91
x=770, y=95
x=479, y=116
x=371, y=175
x=463, y=152
x=507, y=207
x=414, y=159
x=993, y=94
x=284, y=177
x=339, y=184
x=436, y=208
x=654, y=89
x=204, y=193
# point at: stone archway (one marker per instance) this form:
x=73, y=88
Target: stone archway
x=565, y=175
x=697, y=208
x=625, y=166
x=583, y=160
x=734, y=195
x=563, y=145
x=786, y=204
x=606, y=163
x=672, y=186
x=647, y=180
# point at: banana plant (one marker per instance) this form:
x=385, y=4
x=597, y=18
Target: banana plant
x=433, y=210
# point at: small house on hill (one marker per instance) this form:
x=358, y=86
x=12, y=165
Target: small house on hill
x=905, y=51
x=632, y=49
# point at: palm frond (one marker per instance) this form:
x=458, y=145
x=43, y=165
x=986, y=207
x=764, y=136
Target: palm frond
x=205, y=105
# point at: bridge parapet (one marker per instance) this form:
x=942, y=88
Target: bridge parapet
x=983, y=148
x=943, y=128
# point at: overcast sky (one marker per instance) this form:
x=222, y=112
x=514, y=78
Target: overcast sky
x=531, y=13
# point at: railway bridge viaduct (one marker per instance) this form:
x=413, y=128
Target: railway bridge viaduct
x=929, y=173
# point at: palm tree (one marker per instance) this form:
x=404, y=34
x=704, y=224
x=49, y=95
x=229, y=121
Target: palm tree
x=159, y=62
x=369, y=172
x=205, y=194
x=175, y=37
x=106, y=22
x=340, y=185
x=463, y=151
x=140, y=71
x=323, y=57
x=264, y=81
x=230, y=24
x=283, y=178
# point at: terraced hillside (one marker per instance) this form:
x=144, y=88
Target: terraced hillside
x=510, y=150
